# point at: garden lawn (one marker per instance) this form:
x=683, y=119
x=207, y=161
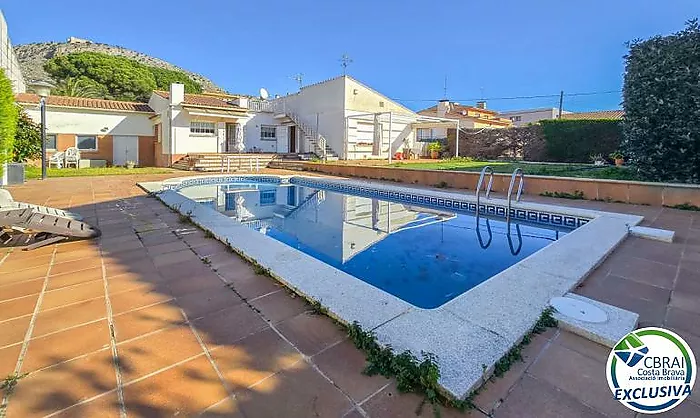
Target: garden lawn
x=35, y=172
x=536, y=169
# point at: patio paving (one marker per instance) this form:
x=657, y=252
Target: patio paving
x=136, y=324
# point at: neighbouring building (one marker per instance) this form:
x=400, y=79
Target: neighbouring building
x=470, y=117
x=108, y=130
x=8, y=60
x=596, y=115
x=528, y=116
x=337, y=118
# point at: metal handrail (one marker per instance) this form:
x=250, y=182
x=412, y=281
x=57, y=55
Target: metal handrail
x=484, y=171
x=510, y=240
x=478, y=233
x=517, y=173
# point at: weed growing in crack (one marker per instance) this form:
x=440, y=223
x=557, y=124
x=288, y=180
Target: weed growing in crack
x=9, y=383
x=208, y=234
x=545, y=321
x=206, y=261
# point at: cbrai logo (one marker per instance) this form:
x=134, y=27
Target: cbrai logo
x=651, y=370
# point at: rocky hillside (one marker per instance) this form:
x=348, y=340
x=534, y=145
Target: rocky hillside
x=33, y=56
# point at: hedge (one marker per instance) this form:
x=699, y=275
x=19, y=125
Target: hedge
x=576, y=141
x=9, y=112
x=662, y=106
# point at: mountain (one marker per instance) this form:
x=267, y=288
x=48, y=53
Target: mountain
x=32, y=57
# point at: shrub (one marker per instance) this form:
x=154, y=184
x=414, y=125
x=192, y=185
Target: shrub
x=662, y=106
x=574, y=141
x=27, y=144
x=9, y=113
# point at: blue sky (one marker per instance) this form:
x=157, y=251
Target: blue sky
x=404, y=49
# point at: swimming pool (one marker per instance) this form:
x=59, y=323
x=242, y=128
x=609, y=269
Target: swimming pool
x=423, y=255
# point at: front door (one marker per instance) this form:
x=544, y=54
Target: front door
x=125, y=148
x=292, y=139
x=230, y=137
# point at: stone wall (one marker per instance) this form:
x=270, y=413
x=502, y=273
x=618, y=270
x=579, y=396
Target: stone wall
x=655, y=194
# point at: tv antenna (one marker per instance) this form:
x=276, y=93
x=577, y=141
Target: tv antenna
x=345, y=60
x=299, y=78
x=444, y=89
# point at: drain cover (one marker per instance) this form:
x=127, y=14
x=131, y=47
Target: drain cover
x=579, y=310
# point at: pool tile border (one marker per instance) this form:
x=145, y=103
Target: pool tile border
x=473, y=330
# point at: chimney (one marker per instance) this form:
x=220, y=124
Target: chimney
x=443, y=107
x=481, y=104
x=177, y=94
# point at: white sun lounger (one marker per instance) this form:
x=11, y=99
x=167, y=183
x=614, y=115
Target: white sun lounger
x=6, y=202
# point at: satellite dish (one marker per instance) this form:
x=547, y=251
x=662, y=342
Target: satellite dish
x=263, y=93
x=464, y=113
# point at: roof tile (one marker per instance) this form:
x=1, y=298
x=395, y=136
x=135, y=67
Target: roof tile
x=205, y=100
x=600, y=114
x=86, y=103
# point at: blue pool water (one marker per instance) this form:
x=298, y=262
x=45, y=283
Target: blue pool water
x=425, y=256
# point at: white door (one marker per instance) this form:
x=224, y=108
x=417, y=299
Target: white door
x=125, y=148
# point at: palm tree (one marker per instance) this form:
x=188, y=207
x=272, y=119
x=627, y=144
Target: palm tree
x=77, y=87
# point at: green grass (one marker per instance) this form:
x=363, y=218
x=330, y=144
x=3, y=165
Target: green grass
x=35, y=172
x=560, y=170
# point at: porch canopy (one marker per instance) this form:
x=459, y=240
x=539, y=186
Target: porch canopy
x=414, y=121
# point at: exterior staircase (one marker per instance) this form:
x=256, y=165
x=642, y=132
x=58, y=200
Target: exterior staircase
x=224, y=163
x=319, y=144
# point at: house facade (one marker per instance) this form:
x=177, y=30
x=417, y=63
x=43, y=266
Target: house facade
x=108, y=130
x=8, y=60
x=525, y=117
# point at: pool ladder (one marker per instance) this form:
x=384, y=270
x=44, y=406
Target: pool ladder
x=517, y=175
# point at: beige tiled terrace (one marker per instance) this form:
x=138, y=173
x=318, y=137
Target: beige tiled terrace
x=154, y=319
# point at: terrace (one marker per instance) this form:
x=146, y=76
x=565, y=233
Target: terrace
x=156, y=318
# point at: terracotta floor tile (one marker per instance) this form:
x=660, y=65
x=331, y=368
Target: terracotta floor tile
x=47, y=391
x=106, y=406
x=73, y=294
x=688, y=282
x=17, y=307
x=76, y=266
x=127, y=243
x=184, y=269
x=667, y=253
x=644, y=271
x=497, y=388
x=166, y=259
x=132, y=299
x=74, y=256
x=168, y=247
x=679, y=319
x=581, y=377
x=253, y=286
x=14, y=330
x=390, y=403
x=650, y=313
x=129, y=281
x=280, y=306
x=25, y=288
x=65, y=345
x=153, y=352
x=197, y=283
x=343, y=364
x=70, y=279
x=185, y=390
x=68, y=316
x=8, y=359
x=254, y=358
x=20, y=276
x=142, y=321
x=143, y=266
x=24, y=264
x=226, y=408
x=210, y=300
x=537, y=398
x=229, y=325
x=583, y=346
x=311, y=333
x=153, y=238
x=301, y=392
x=224, y=260
x=214, y=247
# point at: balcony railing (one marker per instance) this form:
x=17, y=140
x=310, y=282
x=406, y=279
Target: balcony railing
x=257, y=105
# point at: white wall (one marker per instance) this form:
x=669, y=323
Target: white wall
x=251, y=134
x=93, y=121
x=8, y=60
x=531, y=116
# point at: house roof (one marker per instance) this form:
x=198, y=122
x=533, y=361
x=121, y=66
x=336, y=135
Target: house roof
x=600, y=114
x=85, y=103
x=218, y=101
x=455, y=112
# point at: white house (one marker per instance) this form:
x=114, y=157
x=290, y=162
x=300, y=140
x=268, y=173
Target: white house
x=527, y=116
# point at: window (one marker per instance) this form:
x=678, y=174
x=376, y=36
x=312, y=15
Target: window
x=424, y=134
x=268, y=133
x=268, y=197
x=51, y=142
x=515, y=118
x=206, y=128
x=86, y=142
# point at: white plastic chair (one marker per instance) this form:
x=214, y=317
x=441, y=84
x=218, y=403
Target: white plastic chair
x=57, y=159
x=72, y=157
